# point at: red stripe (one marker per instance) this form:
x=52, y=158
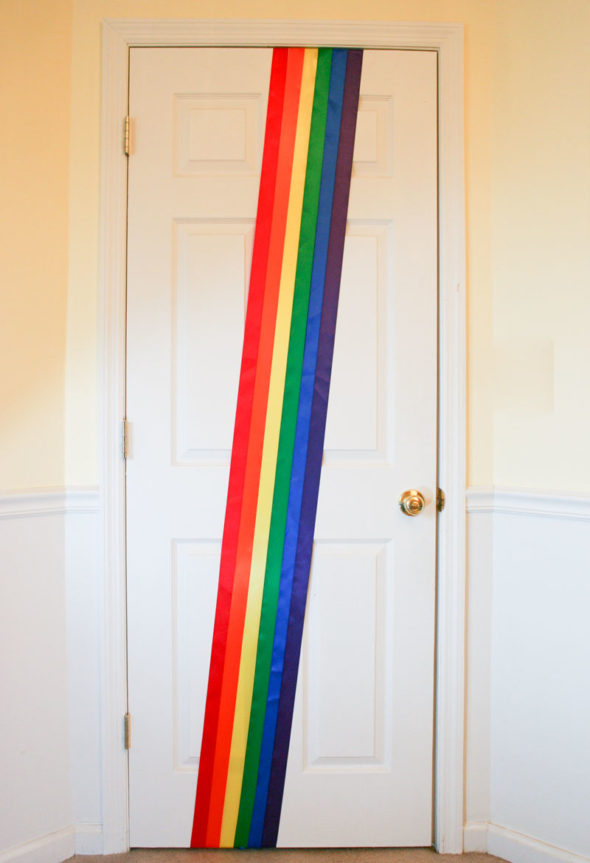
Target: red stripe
x=244, y=412
x=233, y=649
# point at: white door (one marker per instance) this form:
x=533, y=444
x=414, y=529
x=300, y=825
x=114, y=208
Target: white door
x=360, y=760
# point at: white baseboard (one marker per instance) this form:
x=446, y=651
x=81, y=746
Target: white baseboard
x=513, y=846
x=58, y=846
x=89, y=839
x=475, y=836
x=52, y=848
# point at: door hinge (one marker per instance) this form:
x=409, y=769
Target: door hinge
x=440, y=500
x=127, y=135
x=125, y=438
x=127, y=730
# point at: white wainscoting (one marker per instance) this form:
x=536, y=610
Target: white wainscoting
x=49, y=677
x=478, y=635
x=528, y=749
x=84, y=633
x=35, y=808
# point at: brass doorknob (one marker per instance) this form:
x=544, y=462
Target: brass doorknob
x=412, y=502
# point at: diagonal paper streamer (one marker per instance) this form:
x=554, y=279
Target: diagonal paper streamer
x=278, y=444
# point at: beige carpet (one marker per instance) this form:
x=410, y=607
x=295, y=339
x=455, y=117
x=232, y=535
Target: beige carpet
x=289, y=855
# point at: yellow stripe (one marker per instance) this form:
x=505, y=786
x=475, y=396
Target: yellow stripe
x=269, y=455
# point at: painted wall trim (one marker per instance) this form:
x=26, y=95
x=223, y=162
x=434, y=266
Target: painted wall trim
x=516, y=847
x=447, y=40
x=222, y=32
x=111, y=370
x=52, y=848
x=33, y=503
x=536, y=503
x=83, y=501
x=475, y=836
x=88, y=839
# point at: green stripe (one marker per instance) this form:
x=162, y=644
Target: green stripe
x=286, y=443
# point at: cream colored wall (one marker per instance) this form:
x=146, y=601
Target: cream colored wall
x=35, y=48
x=540, y=236
x=528, y=219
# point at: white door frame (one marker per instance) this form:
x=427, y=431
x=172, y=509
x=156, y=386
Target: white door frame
x=447, y=40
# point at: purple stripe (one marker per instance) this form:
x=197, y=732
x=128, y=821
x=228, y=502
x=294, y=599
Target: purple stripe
x=316, y=447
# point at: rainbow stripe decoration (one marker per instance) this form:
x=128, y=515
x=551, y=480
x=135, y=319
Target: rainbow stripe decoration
x=278, y=444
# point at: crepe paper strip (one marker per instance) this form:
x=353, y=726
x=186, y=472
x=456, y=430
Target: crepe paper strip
x=269, y=456
x=316, y=446
x=233, y=650
x=280, y=423
x=277, y=138
x=306, y=237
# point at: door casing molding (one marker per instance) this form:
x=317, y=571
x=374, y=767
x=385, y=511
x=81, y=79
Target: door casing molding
x=447, y=40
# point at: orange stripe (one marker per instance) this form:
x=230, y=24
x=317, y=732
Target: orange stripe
x=252, y=479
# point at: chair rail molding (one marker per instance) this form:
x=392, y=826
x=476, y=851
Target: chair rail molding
x=549, y=504
x=42, y=502
x=118, y=35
